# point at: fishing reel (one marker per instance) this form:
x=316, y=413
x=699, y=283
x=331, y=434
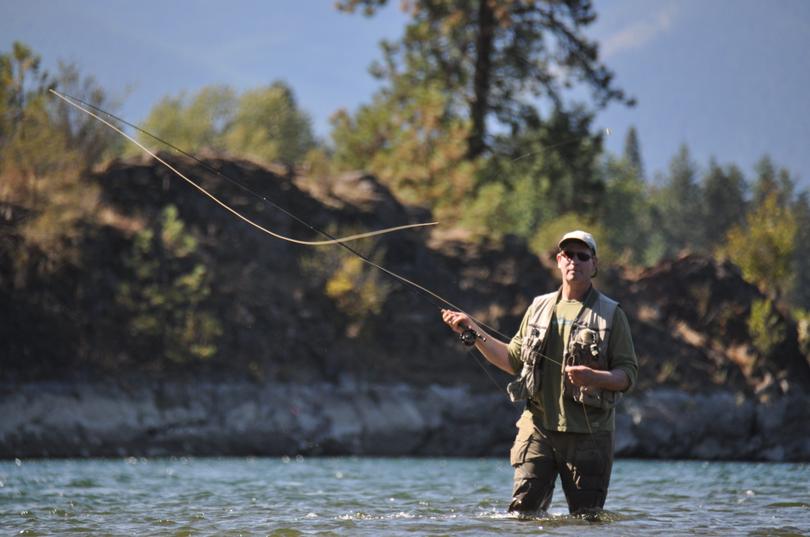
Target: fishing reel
x=468, y=337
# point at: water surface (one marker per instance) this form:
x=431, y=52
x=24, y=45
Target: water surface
x=373, y=497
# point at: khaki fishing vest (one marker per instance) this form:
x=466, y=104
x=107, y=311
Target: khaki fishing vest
x=587, y=345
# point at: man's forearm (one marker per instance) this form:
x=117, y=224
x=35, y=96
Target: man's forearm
x=496, y=352
x=614, y=380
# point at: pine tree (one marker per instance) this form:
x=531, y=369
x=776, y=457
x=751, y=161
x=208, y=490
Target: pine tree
x=679, y=206
x=724, y=203
x=496, y=57
x=632, y=152
x=463, y=70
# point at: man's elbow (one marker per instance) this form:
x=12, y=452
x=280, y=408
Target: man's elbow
x=622, y=381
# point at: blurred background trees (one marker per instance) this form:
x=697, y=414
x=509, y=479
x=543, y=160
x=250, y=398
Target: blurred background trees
x=484, y=115
x=164, y=295
x=45, y=150
x=471, y=84
x=264, y=124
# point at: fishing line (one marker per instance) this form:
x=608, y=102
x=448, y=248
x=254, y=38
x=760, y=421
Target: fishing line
x=431, y=296
x=332, y=240
x=607, y=132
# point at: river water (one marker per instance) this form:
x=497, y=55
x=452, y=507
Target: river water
x=379, y=497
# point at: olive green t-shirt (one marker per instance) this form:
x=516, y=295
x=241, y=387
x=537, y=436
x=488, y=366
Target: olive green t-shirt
x=553, y=409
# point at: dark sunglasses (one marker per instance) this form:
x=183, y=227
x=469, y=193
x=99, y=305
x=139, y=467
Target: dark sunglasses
x=582, y=256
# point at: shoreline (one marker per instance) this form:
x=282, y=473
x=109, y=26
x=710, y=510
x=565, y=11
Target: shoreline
x=94, y=419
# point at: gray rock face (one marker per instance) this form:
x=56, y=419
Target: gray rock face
x=40, y=420
x=351, y=418
x=673, y=424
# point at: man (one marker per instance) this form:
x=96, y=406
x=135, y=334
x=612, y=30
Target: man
x=574, y=356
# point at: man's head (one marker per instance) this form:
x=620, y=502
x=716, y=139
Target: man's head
x=576, y=258
x=578, y=236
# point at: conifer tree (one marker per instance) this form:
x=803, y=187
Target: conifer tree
x=495, y=57
x=463, y=70
x=724, y=202
x=678, y=205
x=632, y=151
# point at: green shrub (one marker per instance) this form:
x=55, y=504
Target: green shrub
x=767, y=330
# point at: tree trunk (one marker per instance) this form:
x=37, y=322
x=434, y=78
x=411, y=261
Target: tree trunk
x=483, y=69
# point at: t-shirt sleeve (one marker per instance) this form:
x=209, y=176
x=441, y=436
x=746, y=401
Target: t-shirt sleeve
x=517, y=342
x=621, y=351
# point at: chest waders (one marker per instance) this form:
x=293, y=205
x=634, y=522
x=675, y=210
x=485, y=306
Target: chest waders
x=587, y=345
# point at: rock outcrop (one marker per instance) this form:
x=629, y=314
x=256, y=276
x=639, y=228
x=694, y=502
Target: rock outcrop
x=349, y=418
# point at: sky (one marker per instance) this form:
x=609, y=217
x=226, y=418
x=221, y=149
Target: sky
x=728, y=78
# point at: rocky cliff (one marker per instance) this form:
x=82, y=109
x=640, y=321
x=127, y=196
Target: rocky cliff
x=351, y=418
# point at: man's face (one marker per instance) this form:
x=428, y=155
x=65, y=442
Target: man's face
x=576, y=262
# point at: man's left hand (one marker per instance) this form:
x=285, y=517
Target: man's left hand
x=580, y=375
x=615, y=380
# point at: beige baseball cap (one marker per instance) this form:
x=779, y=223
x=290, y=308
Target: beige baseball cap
x=581, y=236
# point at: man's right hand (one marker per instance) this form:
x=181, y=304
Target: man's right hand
x=496, y=352
x=458, y=321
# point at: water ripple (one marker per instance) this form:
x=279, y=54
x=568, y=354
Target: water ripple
x=373, y=497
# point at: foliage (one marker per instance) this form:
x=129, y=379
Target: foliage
x=269, y=127
x=626, y=211
x=458, y=112
x=55, y=231
x=766, y=328
x=802, y=317
x=678, y=205
x=632, y=152
x=723, y=202
x=25, y=124
x=456, y=126
x=34, y=153
x=418, y=151
x=194, y=124
x=684, y=211
x=91, y=139
x=799, y=294
x=20, y=81
x=44, y=153
x=493, y=212
x=770, y=181
x=165, y=297
x=264, y=124
x=763, y=246
x=317, y=165
x=536, y=176
x=39, y=132
x=358, y=290
x=493, y=59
